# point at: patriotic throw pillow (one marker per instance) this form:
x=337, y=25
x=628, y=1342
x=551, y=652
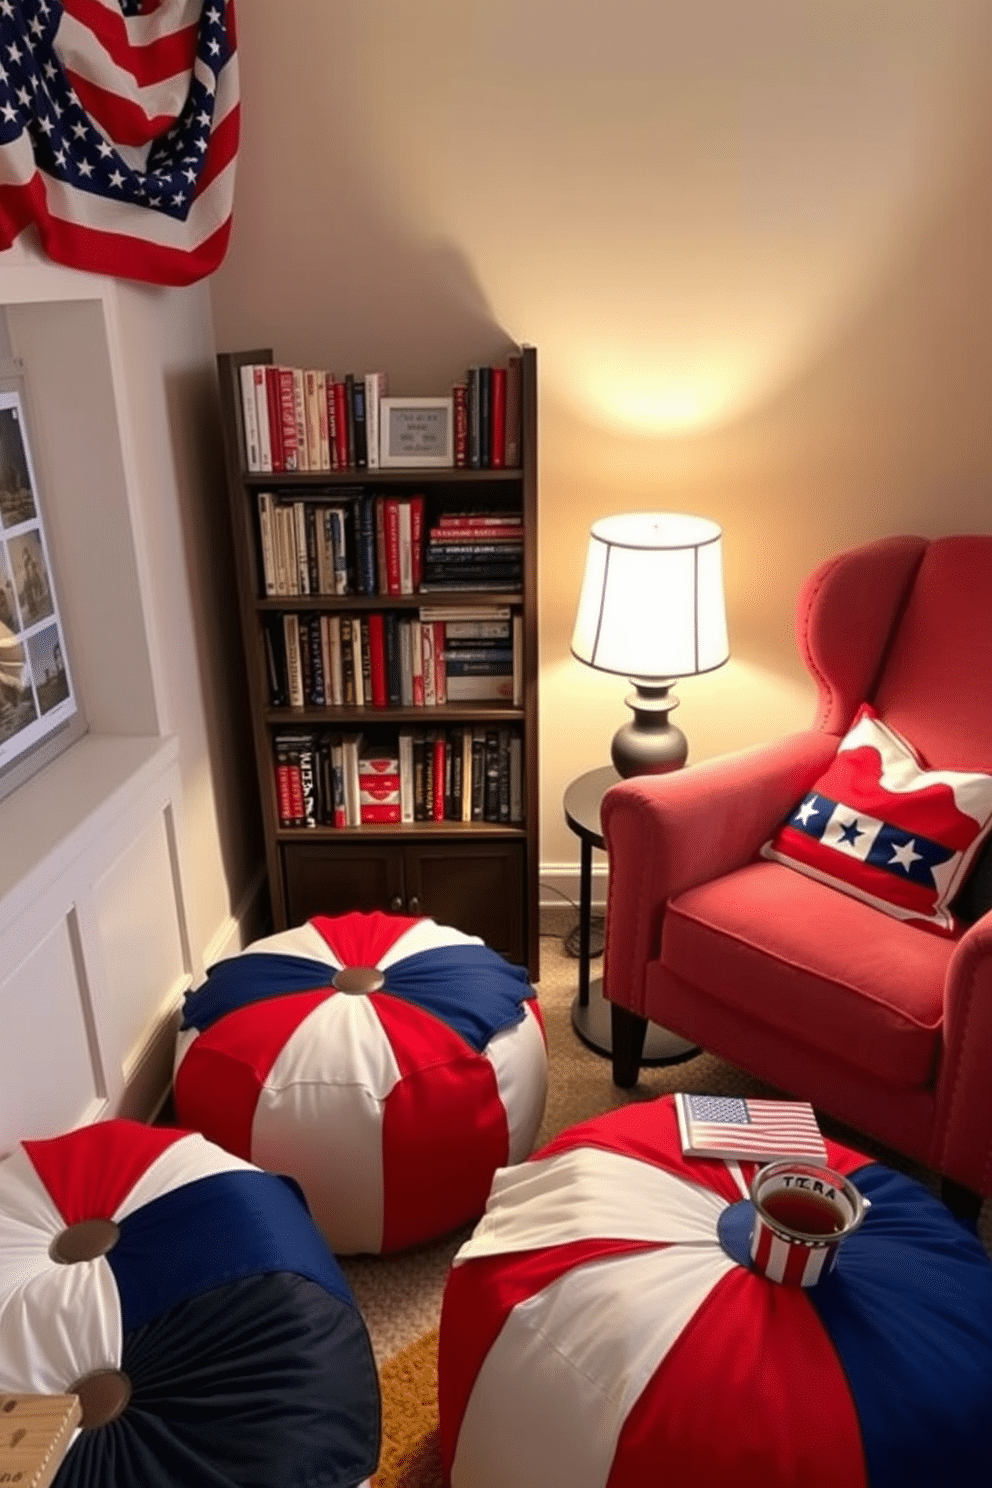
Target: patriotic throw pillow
x=190, y=1302
x=882, y=827
x=389, y=1064
x=604, y=1327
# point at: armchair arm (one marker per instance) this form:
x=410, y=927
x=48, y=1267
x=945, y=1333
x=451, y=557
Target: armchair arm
x=666, y=833
x=963, y=1120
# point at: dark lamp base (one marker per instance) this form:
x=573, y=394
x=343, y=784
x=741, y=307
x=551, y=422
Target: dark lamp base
x=649, y=744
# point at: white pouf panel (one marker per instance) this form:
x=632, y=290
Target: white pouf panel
x=389, y=1064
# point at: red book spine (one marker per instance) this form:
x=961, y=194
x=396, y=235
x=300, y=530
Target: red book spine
x=283, y=795
x=458, y=520
x=391, y=522
x=417, y=663
x=377, y=660
x=437, y=804
x=379, y=813
x=273, y=397
x=296, y=807
x=440, y=671
x=459, y=397
x=477, y=533
x=341, y=425
x=497, y=417
x=332, y=420
x=417, y=540
x=287, y=414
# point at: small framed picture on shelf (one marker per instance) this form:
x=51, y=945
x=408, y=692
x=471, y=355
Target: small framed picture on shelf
x=416, y=432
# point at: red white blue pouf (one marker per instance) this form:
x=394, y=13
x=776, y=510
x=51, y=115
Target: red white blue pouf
x=596, y=1331
x=192, y=1304
x=389, y=1064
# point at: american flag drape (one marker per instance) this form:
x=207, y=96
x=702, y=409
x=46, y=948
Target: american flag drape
x=119, y=133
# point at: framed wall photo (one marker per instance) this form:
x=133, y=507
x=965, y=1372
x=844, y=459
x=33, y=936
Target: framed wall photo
x=39, y=712
x=416, y=432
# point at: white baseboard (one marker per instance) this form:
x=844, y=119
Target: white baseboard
x=558, y=888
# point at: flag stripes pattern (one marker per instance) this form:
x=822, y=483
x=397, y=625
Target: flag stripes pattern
x=594, y=1326
x=392, y=1108
x=724, y=1126
x=119, y=129
x=881, y=827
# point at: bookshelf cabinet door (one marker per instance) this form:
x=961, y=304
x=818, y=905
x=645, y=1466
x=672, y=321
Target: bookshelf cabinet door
x=478, y=887
x=334, y=880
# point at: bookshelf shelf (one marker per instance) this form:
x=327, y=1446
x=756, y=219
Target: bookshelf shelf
x=479, y=874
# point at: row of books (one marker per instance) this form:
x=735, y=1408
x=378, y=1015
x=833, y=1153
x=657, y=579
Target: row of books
x=306, y=419
x=360, y=543
x=486, y=411
x=387, y=659
x=464, y=774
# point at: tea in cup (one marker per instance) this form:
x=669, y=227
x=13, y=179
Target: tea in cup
x=802, y=1211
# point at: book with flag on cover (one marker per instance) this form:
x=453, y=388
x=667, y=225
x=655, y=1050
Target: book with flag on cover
x=760, y=1130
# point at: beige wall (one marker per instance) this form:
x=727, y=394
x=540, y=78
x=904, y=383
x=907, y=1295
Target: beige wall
x=752, y=243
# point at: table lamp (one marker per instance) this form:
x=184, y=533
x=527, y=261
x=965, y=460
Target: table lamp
x=651, y=608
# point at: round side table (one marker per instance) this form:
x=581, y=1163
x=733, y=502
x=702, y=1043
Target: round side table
x=591, y=1017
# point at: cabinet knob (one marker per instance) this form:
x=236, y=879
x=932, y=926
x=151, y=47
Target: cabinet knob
x=414, y=905
x=395, y=904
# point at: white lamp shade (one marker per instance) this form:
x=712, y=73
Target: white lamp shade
x=652, y=601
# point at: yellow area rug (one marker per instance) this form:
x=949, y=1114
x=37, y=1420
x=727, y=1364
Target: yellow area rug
x=411, y=1454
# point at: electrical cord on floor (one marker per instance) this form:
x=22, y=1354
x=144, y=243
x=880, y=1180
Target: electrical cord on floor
x=570, y=940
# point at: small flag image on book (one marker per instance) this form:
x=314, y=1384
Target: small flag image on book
x=730, y=1126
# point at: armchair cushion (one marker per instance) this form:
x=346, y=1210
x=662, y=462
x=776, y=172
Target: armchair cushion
x=880, y=826
x=867, y=990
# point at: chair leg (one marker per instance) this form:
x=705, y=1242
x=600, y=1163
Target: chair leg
x=628, y=1030
x=963, y=1202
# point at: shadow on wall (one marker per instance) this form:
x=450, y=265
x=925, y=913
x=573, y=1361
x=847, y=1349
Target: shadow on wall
x=332, y=277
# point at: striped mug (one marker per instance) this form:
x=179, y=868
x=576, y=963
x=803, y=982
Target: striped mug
x=802, y=1212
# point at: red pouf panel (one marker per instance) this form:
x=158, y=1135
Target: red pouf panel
x=388, y=1063
x=604, y=1328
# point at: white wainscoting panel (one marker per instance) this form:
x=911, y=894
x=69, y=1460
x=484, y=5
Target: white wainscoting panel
x=95, y=952
x=46, y=1028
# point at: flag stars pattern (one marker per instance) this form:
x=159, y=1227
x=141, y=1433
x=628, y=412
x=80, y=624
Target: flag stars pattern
x=878, y=843
x=36, y=96
x=807, y=811
x=906, y=855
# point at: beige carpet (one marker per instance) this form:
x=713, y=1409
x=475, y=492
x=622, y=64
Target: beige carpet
x=400, y=1296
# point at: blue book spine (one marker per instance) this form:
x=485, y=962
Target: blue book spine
x=367, y=565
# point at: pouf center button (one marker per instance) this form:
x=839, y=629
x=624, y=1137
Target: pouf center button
x=103, y=1394
x=358, y=979
x=84, y=1241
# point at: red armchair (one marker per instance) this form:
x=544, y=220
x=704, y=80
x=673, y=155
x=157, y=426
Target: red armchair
x=881, y=1023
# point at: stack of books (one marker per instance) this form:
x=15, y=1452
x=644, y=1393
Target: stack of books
x=474, y=550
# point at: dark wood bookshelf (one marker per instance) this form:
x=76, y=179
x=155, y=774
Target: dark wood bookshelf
x=479, y=876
